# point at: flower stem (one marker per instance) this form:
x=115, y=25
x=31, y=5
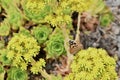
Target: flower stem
x=66, y=40
x=77, y=38
x=78, y=28
x=45, y=75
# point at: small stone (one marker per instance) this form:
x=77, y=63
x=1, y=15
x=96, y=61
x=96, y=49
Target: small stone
x=115, y=29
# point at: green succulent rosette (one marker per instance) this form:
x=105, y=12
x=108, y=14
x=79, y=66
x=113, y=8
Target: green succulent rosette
x=17, y=74
x=36, y=10
x=106, y=19
x=41, y=33
x=3, y=57
x=55, y=45
x=14, y=18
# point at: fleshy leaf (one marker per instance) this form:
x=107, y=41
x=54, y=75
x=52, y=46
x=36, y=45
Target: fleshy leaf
x=55, y=45
x=41, y=33
x=106, y=19
x=4, y=29
x=3, y=57
x=17, y=74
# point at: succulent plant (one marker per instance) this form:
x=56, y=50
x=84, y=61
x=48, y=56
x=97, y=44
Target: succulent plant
x=92, y=64
x=24, y=32
x=55, y=45
x=37, y=66
x=0, y=9
x=50, y=15
x=17, y=74
x=3, y=57
x=2, y=75
x=41, y=33
x=5, y=3
x=97, y=7
x=106, y=19
x=22, y=49
x=2, y=44
x=13, y=16
x=1, y=69
x=4, y=28
x=36, y=10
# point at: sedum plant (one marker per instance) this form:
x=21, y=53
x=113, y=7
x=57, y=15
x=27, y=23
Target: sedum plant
x=4, y=28
x=14, y=16
x=41, y=33
x=36, y=10
x=55, y=45
x=45, y=11
x=92, y=64
x=17, y=74
x=22, y=49
x=37, y=66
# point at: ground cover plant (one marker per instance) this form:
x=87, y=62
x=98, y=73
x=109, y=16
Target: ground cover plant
x=54, y=40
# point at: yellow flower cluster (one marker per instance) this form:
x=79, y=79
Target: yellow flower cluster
x=77, y=5
x=22, y=49
x=55, y=12
x=58, y=20
x=92, y=64
x=58, y=12
x=37, y=67
x=35, y=6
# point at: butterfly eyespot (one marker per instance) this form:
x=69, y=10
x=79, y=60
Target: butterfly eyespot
x=71, y=42
x=74, y=46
